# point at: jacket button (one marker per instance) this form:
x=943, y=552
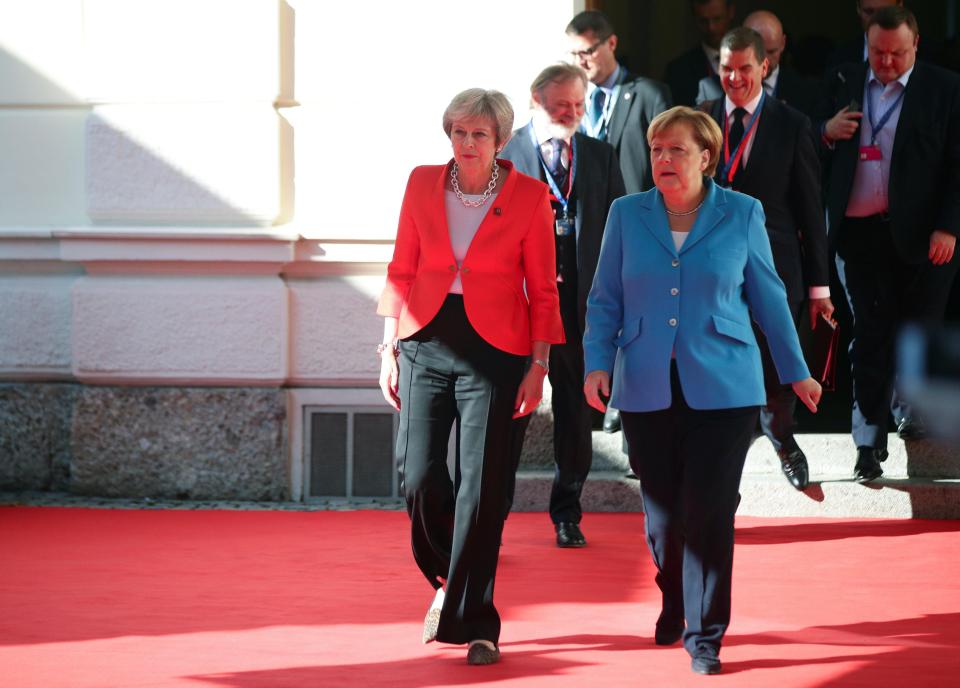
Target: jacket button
x=464, y=270
x=453, y=268
x=675, y=262
x=673, y=322
x=674, y=291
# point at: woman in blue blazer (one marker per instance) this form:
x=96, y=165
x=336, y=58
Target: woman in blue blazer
x=683, y=269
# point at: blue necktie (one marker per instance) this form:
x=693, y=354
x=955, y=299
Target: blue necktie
x=597, y=99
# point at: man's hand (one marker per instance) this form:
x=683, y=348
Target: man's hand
x=819, y=307
x=843, y=125
x=941, y=247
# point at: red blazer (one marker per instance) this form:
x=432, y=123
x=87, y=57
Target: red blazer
x=513, y=246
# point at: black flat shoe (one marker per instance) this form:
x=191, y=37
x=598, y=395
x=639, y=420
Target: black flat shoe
x=868, y=464
x=705, y=664
x=611, y=420
x=793, y=463
x=569, y=535
x=479, y=654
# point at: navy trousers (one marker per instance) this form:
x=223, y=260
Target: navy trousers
x=689, y=463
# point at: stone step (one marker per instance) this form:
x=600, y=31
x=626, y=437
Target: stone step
x=830, y=456
x=770, y=495
x=921, y=479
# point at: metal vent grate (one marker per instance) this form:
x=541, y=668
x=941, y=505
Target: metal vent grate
x=351, y=452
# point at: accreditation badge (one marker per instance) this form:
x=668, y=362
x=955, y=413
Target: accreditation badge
x=565, y=226
x=870, y=153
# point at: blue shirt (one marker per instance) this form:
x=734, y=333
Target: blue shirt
x=868, y=196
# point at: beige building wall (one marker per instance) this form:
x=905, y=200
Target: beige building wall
x=204, y=192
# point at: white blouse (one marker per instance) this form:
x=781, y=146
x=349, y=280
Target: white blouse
x=463, y=222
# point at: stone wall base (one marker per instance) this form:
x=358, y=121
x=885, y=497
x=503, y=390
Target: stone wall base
x=160, y=442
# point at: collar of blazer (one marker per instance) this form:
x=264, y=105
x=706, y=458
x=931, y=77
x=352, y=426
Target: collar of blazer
x=710, y=215
x=490, y=220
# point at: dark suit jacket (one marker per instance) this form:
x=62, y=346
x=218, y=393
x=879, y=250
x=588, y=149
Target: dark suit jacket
x=640, y=101
x=783, y=173
x=924, y=184
x=792, y=89
x=683, y=75
x=597, y=183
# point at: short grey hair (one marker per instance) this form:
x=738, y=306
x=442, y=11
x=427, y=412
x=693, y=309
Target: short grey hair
x=559, y=73
x=478, y=102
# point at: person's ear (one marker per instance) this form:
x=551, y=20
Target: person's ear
x=613, y=42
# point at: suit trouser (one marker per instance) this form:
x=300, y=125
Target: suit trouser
x=572, y=424
x=449, y=374
x=689, y=462
x=777, y=415
x=884, y=292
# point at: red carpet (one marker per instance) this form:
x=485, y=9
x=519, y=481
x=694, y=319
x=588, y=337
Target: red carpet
x=97, y=598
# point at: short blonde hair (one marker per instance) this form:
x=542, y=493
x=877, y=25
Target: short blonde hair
x=478, y=102
x=704, y=130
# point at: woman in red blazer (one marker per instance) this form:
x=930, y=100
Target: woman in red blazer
x=470, y=295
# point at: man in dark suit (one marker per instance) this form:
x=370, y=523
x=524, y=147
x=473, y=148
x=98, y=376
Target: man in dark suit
x=713, y=18
x=619, y=108
x=769, y=153
x=584, y=177
x=782, y=82
x=619, y=105
x=893, y=212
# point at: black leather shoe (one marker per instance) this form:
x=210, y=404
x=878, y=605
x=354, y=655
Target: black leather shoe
x=868, y=464
x=793, y=463
x=705, y=664
x=569, y=535
x=911, y=429
x=611, y=420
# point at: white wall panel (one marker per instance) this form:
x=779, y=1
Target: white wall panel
x=182, y=50
x=334, y=329
x=41, y=175
x=375, y=86
x=204, y=330
x=184, y=164
x=41, y=52
x=35, y=335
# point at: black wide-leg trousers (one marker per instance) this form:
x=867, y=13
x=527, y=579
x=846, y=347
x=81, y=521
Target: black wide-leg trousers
x=449, y=374
x=689, y=463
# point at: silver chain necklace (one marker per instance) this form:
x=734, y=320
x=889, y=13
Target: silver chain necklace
x=484, y=196
x=689, y=212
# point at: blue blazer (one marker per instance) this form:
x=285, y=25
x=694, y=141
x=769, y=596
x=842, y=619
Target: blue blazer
x=649, y=301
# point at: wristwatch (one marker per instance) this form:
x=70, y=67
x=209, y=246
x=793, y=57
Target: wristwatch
x=543, y=364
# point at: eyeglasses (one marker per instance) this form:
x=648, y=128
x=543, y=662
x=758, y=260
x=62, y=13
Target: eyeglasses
x=581, y=54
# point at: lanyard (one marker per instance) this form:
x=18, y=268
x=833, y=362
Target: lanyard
x=875, y=127
x=729, y=170
x=562, y=199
